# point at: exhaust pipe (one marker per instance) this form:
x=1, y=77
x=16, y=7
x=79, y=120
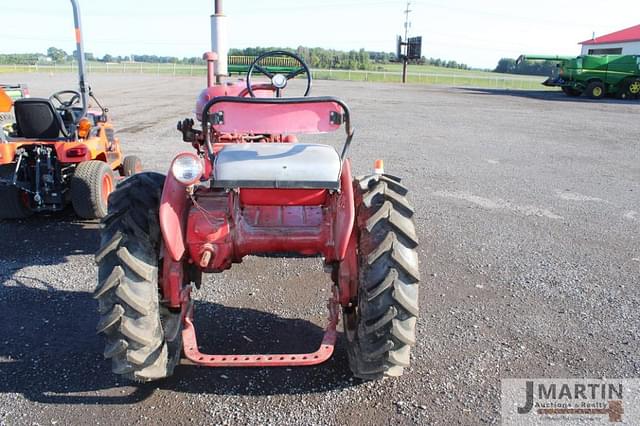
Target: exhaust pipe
x=220, y=41
x=82, y=70
x=210, y=58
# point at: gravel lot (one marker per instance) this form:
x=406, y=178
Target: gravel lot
x=529, y=218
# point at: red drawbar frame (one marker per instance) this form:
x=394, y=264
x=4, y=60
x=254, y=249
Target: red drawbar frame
x=324, y=352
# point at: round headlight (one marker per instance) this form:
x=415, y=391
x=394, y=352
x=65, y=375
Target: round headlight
x=187, y=169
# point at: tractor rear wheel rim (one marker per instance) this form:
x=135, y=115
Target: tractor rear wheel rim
x=634, y=88
x=107, y=187
x=597, y=91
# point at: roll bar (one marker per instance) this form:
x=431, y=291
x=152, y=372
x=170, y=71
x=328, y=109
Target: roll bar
x=82, y=69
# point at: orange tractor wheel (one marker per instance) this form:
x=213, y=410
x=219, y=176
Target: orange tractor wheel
x=92, y=183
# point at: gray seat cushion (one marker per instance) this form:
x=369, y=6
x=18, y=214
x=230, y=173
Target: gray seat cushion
x=277, y=165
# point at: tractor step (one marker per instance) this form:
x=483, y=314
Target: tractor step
x=324, y=352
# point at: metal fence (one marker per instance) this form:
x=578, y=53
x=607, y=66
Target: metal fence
x=455, y=78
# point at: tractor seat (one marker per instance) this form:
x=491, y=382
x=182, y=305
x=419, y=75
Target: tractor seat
x=277, y=165
x=37, y=118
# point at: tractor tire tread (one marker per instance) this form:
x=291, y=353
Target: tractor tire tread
x=115, y=347
x=387, y=310
x=132, y=316
x=86, y=189
x=110, y=282
x=130, y=166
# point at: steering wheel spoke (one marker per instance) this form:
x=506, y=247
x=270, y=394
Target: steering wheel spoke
x=264, y=71
x=295, y=73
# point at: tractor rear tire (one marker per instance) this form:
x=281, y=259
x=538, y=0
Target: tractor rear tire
x=571, y=92
x=13, y=204
x=631, y=89
x=381, y=329
x=596, y=90
x=143, y=338
x=130, y=166
x=91, y=184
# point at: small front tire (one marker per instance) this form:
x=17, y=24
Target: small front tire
x=131, y=165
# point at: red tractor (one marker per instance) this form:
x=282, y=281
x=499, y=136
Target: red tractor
x=250, y=188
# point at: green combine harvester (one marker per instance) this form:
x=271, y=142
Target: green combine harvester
x=595, y=76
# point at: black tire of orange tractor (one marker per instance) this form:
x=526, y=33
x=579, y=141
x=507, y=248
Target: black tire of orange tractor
x=87, y=195
x=143, y=338
x=130, y=166
x=381, y=329
x=571, y=92
x=12, y=205
x=595, y=90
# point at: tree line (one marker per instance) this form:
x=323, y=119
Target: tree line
x=315, y=57
x=509, y=66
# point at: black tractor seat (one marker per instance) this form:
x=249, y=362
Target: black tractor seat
x=37, y=118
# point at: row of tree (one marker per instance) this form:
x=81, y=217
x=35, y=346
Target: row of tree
x=509, y=66
x=355, y=59
x=316, y=57
x=20, y=58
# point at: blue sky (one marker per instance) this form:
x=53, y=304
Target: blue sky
x=474, y=32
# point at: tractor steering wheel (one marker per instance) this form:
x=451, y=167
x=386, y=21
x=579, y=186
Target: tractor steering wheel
x=64, y=106
x=278, y=80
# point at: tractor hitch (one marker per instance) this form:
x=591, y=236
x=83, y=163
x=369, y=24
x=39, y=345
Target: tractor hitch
x=195, y=357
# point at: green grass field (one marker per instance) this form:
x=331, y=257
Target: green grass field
x=417, y=74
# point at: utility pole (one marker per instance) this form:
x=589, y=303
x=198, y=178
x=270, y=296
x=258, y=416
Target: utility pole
x=405, y=58
x=407, y=24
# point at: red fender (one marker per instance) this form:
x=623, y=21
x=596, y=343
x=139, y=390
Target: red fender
x=172, y=280
x=173, y=206
x=345, y=212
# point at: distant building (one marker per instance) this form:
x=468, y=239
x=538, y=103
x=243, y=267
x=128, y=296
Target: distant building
x=623, y=42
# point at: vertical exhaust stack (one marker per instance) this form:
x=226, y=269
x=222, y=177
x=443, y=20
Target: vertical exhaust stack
x=82, y=68
x=220, y=41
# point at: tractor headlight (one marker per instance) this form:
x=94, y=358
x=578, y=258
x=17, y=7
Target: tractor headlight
x=187, y=169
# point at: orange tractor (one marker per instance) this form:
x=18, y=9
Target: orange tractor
x=59, y=151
